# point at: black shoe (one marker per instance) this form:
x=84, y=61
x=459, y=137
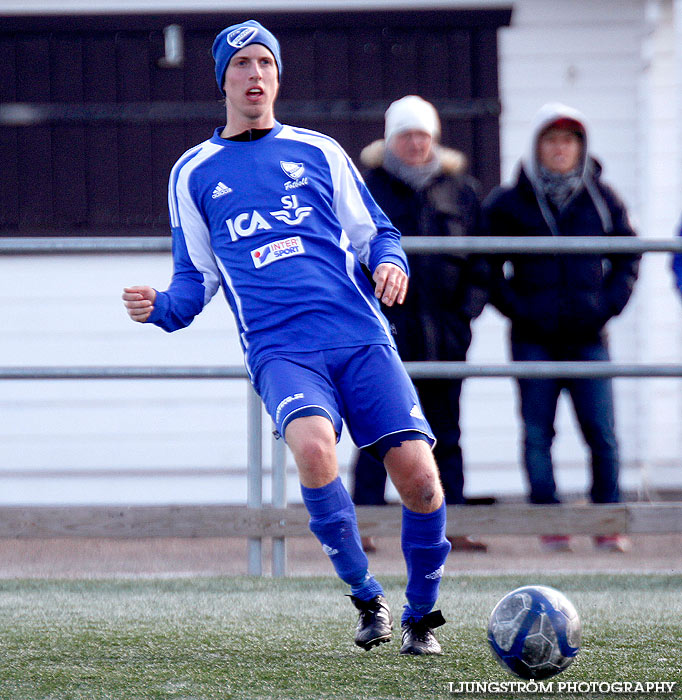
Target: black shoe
x=375, y=622
x=418, y=636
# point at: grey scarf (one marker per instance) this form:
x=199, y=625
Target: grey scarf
x=559, y=188
x=416, y=176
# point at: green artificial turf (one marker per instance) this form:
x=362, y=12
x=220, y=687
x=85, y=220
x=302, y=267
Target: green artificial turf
x=286, y=639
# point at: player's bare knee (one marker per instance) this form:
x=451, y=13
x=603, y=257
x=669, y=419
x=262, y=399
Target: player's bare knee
x=314, y=450
x=430, y=497
x=423, y=493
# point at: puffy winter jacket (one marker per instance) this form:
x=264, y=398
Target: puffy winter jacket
x=559, y=297
x=446, y=291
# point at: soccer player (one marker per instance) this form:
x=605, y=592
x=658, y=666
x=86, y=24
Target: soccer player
x=279, y=218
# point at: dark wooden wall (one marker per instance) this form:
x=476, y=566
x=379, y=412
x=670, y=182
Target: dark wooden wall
x=91, y=122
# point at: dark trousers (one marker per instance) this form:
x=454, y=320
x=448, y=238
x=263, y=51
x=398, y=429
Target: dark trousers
x=440, y=403
x=594, y=409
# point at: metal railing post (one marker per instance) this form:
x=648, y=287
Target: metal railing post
x=254, y=475
x=279, y=500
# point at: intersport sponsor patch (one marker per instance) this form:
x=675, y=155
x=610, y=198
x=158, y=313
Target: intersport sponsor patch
x=277, y=250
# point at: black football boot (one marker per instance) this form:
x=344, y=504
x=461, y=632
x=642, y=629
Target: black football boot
x=418, y=636
x=375, y=622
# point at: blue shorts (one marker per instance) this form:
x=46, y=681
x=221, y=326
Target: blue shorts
x=365, y=386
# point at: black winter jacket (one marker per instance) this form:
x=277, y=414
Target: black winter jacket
x=565, y=298
x=445, y=291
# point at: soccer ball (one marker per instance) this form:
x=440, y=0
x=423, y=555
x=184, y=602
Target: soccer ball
x=534, y=632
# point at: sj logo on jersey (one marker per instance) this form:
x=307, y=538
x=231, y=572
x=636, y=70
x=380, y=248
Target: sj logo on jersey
x=277, y=250
x=291, y=213
x=247, y=223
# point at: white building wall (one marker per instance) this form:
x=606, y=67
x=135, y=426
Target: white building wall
x=183, y=441
x=588, y=55
x=661, y=188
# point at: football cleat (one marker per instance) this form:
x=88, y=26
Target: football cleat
x=418, y=637
x=375, y=622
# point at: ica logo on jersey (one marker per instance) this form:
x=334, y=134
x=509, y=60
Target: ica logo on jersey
x=247, y=223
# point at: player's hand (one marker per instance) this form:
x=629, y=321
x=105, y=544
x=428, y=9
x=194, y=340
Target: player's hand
x=391, y=284
x=139, y=302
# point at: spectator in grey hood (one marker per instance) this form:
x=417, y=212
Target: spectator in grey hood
x=559, y=304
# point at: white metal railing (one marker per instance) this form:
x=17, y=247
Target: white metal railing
x=111, y=245
x=422, y=244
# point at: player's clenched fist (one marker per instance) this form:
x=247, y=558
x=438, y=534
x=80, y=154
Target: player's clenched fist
x=139, y=302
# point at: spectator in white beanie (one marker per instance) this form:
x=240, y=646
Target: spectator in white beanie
x=426, y=191
x=411, y=112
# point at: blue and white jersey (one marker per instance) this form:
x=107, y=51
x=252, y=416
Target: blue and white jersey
x=282, y=224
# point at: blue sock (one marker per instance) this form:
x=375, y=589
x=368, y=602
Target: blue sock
x=333, y=522
x=425, y=549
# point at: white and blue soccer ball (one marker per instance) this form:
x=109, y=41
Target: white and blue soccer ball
x=534, y=632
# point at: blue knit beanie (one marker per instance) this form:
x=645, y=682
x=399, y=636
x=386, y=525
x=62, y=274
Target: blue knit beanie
x=235, y=38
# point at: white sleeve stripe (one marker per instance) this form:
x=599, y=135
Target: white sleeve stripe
x=241, y=323
x=350, y=271
x=190, y=221
x=172, y=180
x=237, y=300
x=348, y=204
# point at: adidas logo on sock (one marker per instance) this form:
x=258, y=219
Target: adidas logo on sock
x=435, y=575
x=329, y=551
x=221, y=189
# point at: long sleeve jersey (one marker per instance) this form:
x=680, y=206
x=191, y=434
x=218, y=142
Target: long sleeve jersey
x=282, y=224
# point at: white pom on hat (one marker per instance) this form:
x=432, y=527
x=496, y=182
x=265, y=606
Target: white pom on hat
x=411, y=113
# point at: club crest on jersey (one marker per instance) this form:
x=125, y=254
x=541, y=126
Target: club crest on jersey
x=295, y=172
x=241, y=36
x=277, y=250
